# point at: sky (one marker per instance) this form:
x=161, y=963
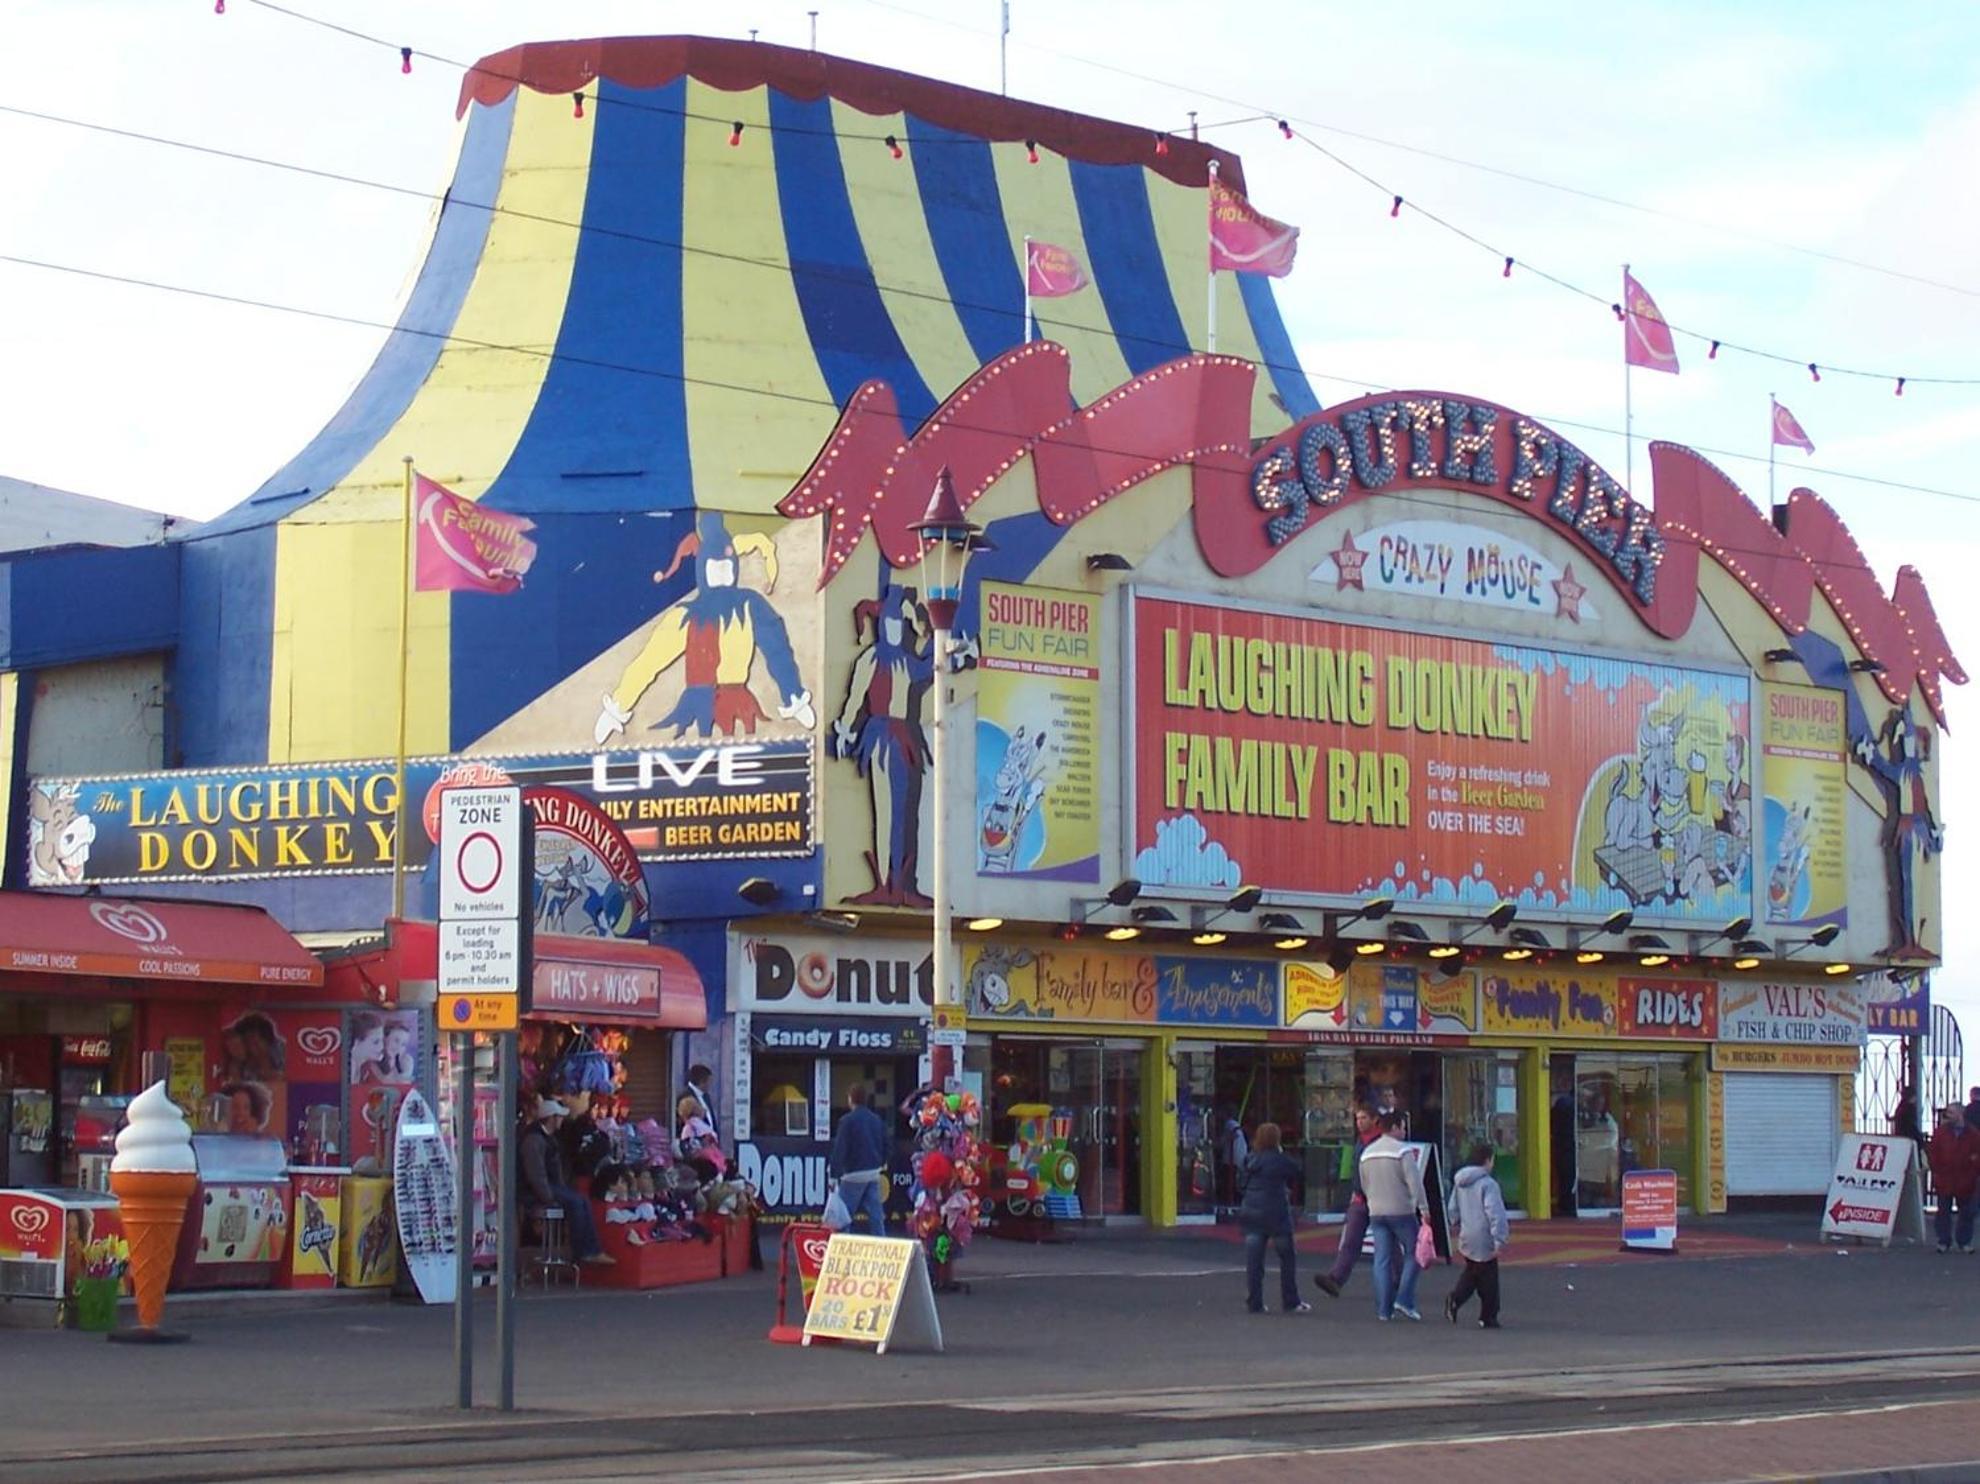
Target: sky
x=1742, y=154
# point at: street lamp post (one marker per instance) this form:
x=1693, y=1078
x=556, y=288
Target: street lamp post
x=948, y=537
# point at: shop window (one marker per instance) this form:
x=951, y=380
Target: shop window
x=783, y=1103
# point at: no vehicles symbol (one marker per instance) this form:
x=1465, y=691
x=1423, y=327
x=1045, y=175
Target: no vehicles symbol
x=478, y=863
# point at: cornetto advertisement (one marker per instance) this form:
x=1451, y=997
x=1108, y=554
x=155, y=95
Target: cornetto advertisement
x=1324, y=759
x=729, y=802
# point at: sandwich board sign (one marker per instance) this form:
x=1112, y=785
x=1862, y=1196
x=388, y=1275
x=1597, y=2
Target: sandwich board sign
x=1650, y=1211
x=874, y=1291
x=1874, y=1193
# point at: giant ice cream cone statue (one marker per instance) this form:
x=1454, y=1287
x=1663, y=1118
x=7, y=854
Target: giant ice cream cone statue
x=153, y=1176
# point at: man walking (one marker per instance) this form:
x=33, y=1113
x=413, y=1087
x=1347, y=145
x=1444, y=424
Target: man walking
x=859, y=1160
x=1393, y=1184
x=1955, y=1156
x=1355, y=1226
x=1480, y=1228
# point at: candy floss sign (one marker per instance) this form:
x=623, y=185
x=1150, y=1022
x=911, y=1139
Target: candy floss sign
x=1320, y=759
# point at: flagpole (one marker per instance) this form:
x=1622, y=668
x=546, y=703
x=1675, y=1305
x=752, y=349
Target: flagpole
x=1773, y=422
x=1210, y=319
x=1027, y=289
x=1629, y=416
x=405, y=643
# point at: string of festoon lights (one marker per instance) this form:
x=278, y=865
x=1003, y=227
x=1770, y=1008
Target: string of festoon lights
x=1159, y=147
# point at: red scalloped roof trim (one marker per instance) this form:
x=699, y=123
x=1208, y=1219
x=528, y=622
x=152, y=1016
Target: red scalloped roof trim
x=644, y=62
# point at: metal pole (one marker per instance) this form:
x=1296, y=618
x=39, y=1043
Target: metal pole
x=1004, y=49
x=506, y=1277
x=1210, y=320
x=405, y=643
x=1027, y=289
x=1773, y=421
x=814, y=28
x=464, y=1226
x=943, y=1058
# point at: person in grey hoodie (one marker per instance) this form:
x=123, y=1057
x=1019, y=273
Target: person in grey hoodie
x=1393, y=1183
x=1481, y=1231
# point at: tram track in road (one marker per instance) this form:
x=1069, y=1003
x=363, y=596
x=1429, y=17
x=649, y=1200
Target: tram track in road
x=870, y=1440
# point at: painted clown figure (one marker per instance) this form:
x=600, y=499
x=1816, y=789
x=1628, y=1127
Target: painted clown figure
x=717, y=630
x=879, y=728
x=1912, y=833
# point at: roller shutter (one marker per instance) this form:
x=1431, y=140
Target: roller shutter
x=1780, y=1133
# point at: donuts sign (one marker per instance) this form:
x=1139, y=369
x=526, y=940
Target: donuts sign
x=801, y=973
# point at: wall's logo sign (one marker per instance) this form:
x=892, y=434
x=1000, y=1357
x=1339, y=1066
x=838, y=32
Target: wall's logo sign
x=320, y=1042
x=30, y=1221
x=130, y=922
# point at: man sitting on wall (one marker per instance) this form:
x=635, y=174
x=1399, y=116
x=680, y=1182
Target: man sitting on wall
x=545, y=1183
x=859, y=1160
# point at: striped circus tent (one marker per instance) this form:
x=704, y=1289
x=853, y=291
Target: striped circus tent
x=642, y=311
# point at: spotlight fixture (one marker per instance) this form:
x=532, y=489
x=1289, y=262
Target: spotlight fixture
x=1826, y=934
x=1738, y=928
x=1748, y=952
x=1244, y=899
x=1446, y=950
x=1279, y=922
x=1208, y=939
x=1835, y=969
x=1865, y=667
x=1287, y=945
x=1122, y=934
x=759, y=891
x=1781, y=657
x=1500, y=917
x=985, y=924
x=1514, y=955
x=1108, y=561
x=1654, y=951
x=1339, y=958
x=1525, y=943
x=1369, y=947
x=1124, y=892
x=1407, y=932
x=1153, y=914
x=1619, y=921
x=836, y=922
x=1590, y=956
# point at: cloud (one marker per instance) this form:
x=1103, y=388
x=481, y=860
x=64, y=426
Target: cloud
x=1184, y=855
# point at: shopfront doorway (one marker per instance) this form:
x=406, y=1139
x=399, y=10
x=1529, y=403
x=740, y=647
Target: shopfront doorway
x=1628, y=1112
x=1090, y=1092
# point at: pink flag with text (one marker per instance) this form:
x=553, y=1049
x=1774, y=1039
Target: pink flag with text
x=1646, y=337
x=1244, y=241
x=1052, y=272
x=460, y=547
x=1787, y=431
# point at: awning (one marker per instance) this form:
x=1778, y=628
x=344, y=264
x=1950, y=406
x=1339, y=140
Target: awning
x=123, y=938
x=603, y=979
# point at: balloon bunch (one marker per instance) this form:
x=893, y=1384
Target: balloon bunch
x=947, y=1171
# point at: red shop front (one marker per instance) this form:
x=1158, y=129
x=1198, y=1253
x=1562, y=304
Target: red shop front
x=100, y=996
x=599, y=1039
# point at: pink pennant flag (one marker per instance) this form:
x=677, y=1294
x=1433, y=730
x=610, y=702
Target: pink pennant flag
x=460, y=547
x=1244, y=241
x=1646, y=337
x=1052, y=272
x=1788, y=432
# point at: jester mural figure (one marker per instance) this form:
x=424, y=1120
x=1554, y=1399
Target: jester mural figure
x=1897, y=755
x=879, y=728
x=717, y=630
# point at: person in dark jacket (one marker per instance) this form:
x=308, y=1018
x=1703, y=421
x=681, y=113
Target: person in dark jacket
x=1355, y=1226
x=1973, y=1107
x=859, y=1160
x=1267, y=1182
x=545, y=1183
x=1955, y=1158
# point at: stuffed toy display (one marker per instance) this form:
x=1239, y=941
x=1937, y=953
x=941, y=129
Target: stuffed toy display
x=947, y=1173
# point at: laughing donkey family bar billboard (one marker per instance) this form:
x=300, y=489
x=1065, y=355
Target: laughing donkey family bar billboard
x=1445, y=770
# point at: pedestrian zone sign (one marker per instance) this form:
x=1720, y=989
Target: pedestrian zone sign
x=874, y=1291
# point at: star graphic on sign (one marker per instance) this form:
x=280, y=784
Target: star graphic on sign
x=1569, y=594
x=1347, y=563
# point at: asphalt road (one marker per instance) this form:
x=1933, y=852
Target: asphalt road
x=1060, y=1359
